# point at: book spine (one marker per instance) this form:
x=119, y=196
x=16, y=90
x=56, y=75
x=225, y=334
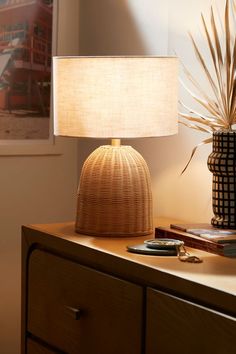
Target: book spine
x=178, y=227
x=190, y=242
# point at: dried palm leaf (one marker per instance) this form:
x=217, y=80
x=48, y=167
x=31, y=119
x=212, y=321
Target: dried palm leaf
x=228, y=55
x=212, y=127
x=220, y=103
x=193, y=111
x=209, y=105
x=214, y=58
x=205, y=68
x=206, y=141
x=216, y=39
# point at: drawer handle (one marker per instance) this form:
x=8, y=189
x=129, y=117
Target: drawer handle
x=75, y=313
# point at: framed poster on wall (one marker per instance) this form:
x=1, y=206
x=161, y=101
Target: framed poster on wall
x=27, y=43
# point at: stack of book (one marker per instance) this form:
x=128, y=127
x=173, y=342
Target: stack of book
x=201, y=236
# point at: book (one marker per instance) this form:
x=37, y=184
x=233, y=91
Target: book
x=208, y=232
x=194, y=241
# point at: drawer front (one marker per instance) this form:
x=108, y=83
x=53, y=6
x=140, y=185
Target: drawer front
x=178, y=326
x=35, y=348
x=80, y=310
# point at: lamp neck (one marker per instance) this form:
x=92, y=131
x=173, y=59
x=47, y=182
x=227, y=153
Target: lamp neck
x=115, y=142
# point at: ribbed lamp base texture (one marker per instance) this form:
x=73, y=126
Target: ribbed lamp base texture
x=114, y=195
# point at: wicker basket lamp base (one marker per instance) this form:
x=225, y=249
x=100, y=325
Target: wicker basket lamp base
x=114, y=195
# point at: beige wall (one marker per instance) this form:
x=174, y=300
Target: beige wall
x=122, y=27
x=156, y=27
x=187, y=196
x=42, y=189
x=34, y=189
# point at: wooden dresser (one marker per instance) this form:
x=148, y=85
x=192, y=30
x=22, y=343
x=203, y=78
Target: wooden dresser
x=86, y=295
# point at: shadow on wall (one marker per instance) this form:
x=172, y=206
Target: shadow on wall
x=107, y=27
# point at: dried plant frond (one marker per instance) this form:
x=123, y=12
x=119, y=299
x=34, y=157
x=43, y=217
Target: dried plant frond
x=196, y=127
x=220, y=103
x=206, y=141
x=208, y=105
x=193, y=111
x=212, y=127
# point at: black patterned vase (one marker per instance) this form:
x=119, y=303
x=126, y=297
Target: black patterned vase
x=222, y=163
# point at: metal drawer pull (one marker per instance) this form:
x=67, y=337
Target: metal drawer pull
x=75, y=313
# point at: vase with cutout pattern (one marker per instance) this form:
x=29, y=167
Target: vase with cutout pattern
x=222, y=163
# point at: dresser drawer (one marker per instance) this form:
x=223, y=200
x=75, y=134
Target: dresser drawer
x=178, y=326
x=80, y=310
x=35, y=348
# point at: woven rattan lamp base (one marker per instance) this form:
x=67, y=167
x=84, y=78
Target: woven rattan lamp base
x=114, y=195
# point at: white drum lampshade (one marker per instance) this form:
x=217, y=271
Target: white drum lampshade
x=115, y=97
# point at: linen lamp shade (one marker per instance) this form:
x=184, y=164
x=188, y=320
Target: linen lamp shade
x=115, y=97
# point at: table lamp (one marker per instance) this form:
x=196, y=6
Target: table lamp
x=115, y=97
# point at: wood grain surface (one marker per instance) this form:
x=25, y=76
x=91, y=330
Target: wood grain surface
x=80, y=310
x=197, y=297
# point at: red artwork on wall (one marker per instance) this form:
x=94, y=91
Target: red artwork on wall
x=25, y=68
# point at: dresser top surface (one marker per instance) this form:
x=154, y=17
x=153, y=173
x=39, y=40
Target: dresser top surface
x=215, y=271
